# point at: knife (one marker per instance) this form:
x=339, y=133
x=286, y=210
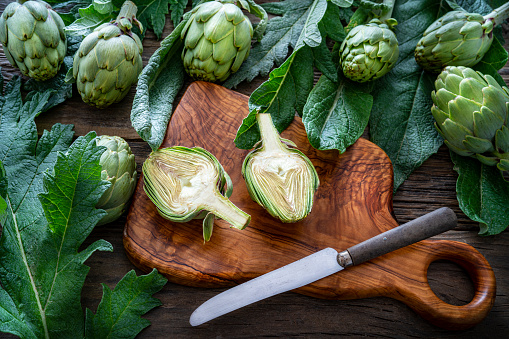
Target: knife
x=322, y=264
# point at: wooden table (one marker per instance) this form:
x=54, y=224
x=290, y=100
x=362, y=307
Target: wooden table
x=290, y=314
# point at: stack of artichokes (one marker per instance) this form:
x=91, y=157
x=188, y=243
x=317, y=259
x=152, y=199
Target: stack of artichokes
x=119, y=168
x=217, y=38
x=108, y=61
x=33, y=38
x=369, y=51
x=458, y=39
x=471, y=112
x=189, y=183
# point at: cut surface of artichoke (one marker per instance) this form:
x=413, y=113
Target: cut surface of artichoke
x=281, y=179
x=186, y=183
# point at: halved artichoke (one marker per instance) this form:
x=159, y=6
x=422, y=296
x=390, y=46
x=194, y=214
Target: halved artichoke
x=190, y=183
x=281, y=179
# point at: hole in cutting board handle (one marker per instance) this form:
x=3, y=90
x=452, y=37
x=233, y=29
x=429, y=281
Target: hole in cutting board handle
x=459, y=289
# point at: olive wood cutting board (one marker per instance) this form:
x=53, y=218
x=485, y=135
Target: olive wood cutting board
x=352, y=204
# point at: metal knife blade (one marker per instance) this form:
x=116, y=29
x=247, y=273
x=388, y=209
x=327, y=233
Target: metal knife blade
x=322, y=264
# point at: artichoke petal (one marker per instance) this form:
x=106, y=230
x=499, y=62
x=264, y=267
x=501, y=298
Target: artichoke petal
x=502, y=140
x=486, y=123
x=477, y=145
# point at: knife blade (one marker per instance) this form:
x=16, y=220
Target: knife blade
x=322, y=264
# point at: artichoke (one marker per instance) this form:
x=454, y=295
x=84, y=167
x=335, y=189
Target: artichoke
x=33, y=38
x=188, y=183
x=369, y=51
x=457, y=39
x=217, y=39
x=119, y=168
x=471, y=112
x=109, y=61
x=281, y=179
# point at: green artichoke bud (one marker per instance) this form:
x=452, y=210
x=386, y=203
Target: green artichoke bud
x=279, y=178
x=458, y=39
x=471, y=112
x=119, y=168
x=218, y=39
x=188, y=183
x=369, y=51
x=109, y=61
x=33, y=38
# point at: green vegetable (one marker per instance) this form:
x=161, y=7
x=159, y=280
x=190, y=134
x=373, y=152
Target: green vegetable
x=218, y=39
x=108, y=61
x=33, y=38
x=119, y=168
x=48, y=190
x=471, y=112
x=369, y=51
x=458, y=38
x=188, y=183
x=281, y=179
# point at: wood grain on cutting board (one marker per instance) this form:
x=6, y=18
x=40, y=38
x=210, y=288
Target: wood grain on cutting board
x=352, y=204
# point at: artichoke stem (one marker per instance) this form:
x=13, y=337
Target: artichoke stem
x=223, y=208
x=498, y=15
x=269, y=133
x=127, y=15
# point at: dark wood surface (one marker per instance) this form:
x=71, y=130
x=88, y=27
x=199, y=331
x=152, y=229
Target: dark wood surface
x=291, y=314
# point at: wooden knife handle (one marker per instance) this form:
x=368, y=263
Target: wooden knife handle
x=428, y=225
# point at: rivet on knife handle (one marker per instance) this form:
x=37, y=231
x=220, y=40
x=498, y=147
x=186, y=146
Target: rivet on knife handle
x=428, y=225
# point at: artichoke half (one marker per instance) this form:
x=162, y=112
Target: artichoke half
x=188, y=183
x=33, y=38
x=471, y=112
x=281, y=179
x=369, y=51
x=217, y=38
x=119, y=168
x=108, y=61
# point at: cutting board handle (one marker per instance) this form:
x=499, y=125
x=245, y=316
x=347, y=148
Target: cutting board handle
x=425, y=302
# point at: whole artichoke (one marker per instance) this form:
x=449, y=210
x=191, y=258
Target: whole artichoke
x=217, y=39
x=369, y=51
x=119, y=168
x=33, y=38
x=471, y=112
x=456, y=39
x=109, y=61
x=279, y=178
x=190, y=183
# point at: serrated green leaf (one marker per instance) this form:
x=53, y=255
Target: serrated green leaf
x=311, y=34
x=89, y=20
x=284, y=93
x=483, y=194
x=120, y=310
x=322, y=57
x=342, y=3
x=177, y=8
x=158, y=84
x=493, y=60
x=281, y=33
x=103, y=6
x=42, y=272
x=331, y=23
x=336, y=114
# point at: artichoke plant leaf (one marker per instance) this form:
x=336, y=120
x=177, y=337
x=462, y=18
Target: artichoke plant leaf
x=158, y=84
x=49, y=187
x=403, y=128
x=336, y=114
x=483, y=194
x=152, y=13
x=493, y=60
x=119, y=313
x=284, y=93
x=282, y=32
x=89, y=19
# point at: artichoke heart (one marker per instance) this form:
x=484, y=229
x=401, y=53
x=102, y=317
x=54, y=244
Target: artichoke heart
x=119, y=168
x=281, y=179
x=33, y=38
x=471, y=112
x=187, y=183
